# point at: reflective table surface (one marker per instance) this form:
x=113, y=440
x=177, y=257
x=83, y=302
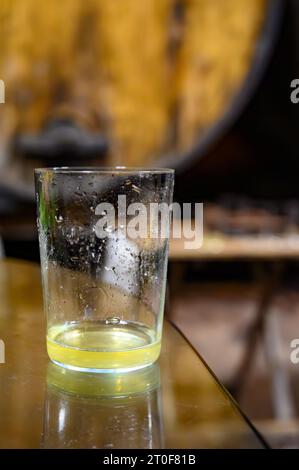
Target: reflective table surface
x=176, y=403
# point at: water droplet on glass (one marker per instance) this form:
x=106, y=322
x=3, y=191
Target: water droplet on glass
x=87, y=311
x=135, y=188
x=107, y=268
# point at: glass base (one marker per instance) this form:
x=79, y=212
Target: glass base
x=113, y=384
x=100, y=371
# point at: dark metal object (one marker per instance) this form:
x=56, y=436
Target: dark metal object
x=61, y=140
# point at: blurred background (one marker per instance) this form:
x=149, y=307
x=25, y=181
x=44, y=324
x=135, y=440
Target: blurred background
x=202, y=86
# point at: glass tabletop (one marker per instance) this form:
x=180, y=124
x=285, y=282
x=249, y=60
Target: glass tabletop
x=176, y=403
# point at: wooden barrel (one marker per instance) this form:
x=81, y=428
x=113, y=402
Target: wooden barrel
x=158, y=80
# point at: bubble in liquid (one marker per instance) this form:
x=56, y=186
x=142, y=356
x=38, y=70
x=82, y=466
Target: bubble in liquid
x=112, y=321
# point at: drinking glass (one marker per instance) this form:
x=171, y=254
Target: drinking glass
x=103, y=237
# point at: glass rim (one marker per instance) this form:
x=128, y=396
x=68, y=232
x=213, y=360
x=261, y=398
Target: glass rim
x=104, y=170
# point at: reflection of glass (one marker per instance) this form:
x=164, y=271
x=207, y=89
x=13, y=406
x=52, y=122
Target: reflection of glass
x=85, y=410
x=104, y=248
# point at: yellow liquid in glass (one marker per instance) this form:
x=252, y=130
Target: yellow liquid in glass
x=96, y=346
